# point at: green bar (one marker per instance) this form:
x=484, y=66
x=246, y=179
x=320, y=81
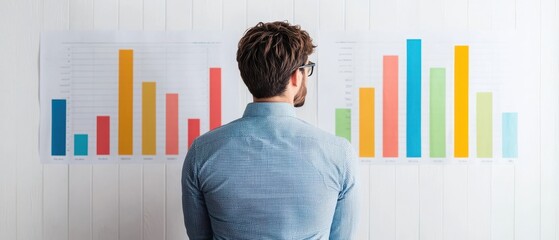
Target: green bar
x=484, y=123
x=343, y=123
x=437, y=113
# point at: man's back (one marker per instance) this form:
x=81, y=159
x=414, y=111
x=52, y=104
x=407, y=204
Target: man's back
x=269, y=175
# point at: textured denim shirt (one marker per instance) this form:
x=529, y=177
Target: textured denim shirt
x=269, y=175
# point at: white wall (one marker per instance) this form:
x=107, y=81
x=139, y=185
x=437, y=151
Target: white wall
x=401, y=202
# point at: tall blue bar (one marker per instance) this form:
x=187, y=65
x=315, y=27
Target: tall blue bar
x=413, y=98
x=58, y=127
x=80, y=144
x=510, y=135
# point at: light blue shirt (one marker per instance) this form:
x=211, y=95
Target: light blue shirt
x=269, y=175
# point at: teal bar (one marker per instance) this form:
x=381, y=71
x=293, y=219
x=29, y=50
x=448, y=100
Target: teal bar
x=343, y=123
x=510, y=135
x=80, y=144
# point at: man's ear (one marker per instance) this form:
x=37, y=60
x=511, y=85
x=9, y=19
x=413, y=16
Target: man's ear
x=293, y=79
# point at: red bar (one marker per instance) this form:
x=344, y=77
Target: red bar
x=172, y=124
x=215, y=98
x=390, y=106
x=103, y=135
x=193, y=130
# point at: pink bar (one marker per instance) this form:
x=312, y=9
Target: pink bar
x=193, y=130
x=171, y=124
x=215, y=98
x=390, y=107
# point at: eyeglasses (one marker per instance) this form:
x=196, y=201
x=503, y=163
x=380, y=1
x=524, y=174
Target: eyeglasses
x=311, y=65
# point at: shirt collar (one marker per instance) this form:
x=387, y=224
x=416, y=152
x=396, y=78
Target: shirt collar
x=269, y=109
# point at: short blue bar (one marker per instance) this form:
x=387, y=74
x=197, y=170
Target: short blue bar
x=58, y=127
x=510, y=135
x=80, y=144
x=413, y=98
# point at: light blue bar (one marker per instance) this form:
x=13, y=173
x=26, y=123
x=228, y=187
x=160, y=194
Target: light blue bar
x=510, y=135
x=80, y=144
x=413, y=98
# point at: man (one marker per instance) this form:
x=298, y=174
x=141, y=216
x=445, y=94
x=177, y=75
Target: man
x=269, y=175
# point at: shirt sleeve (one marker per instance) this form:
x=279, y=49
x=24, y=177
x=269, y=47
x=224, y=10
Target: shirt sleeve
x=196, y=218
x=346, y=213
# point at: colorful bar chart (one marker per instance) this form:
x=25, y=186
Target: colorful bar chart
x=390, y=106
x=58, y=127
x=413, y=100
x=450, y=118
x=115, y=97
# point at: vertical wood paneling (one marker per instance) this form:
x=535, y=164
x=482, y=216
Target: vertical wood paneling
x=408, y=15
x=357, y=15
x=502, y=202
x=456, y=15
x=154, y=175
x=549, y=127
x=131, y=176
x=382, y=202
x=154, y=15
x=105, y=178
x=431, y=15
x=503, y=15
x=384, y=15
x=431, y=202
x=479, y=202
x=8, y=163
x=480, y=17
x=80, y=176
x=407, y=202
x=179, y=17
x=331, y=15
x=208, y=15
x=455, y=204
x=28, y=17
x=269, y=10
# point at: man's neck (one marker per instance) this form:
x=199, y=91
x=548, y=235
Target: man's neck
x=277, y=99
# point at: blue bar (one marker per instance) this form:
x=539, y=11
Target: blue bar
x=58, y=127
x=413, y=98
x=510, y=135
x=80, y=144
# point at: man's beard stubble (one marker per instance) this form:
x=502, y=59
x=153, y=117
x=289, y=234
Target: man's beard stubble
x=299, y=99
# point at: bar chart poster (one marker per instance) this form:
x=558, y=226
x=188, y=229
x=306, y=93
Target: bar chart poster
x=428, y=98
x=122, y=97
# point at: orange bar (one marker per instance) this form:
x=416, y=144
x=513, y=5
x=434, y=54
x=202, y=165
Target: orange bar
x=366, y=122
x=172, y=124
x=215, y=98
x=125, y=101
x=148, y=118
x=461, y=75
x=390, y=107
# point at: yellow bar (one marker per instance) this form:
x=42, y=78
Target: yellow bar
x=125, y=97
x=148, y=118
x=366, y=122
x=461, y=73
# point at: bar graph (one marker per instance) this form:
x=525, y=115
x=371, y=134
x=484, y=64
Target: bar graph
x=132, y=97
x=372, y=93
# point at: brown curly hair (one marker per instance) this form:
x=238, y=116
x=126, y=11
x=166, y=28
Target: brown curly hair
x=269, y=53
